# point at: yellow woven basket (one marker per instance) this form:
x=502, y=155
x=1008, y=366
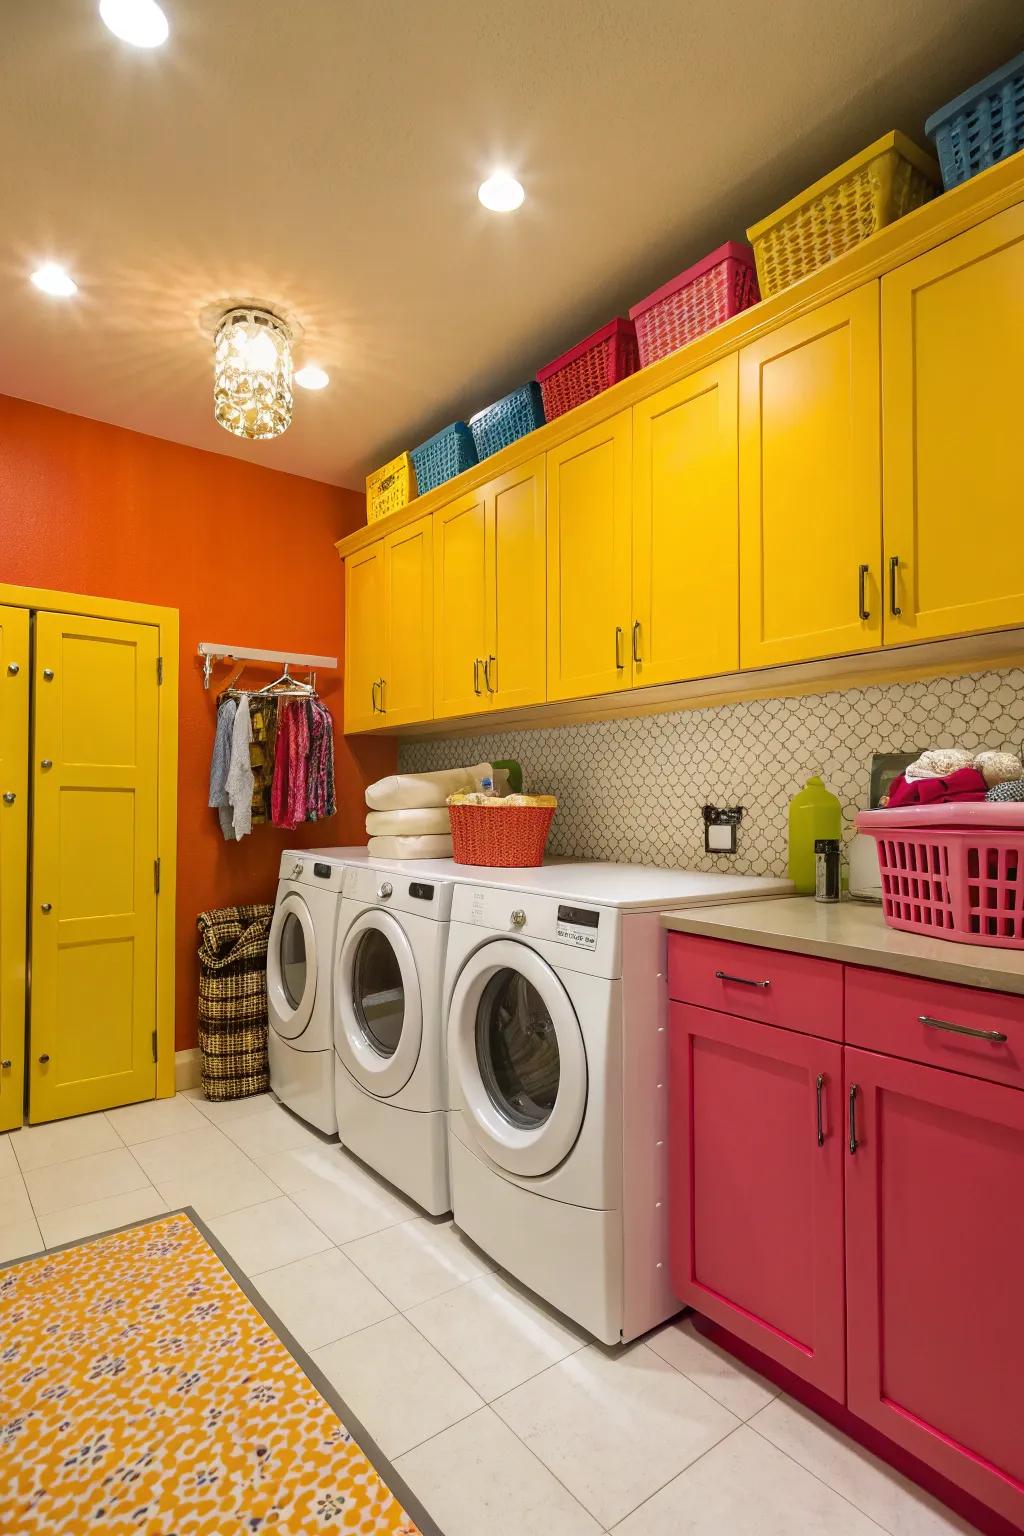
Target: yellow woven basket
x=888, y=179
x=390, y=488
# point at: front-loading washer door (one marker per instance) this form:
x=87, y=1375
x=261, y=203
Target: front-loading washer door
x=379, y=1019
x=518, y=1057
x=291, y=967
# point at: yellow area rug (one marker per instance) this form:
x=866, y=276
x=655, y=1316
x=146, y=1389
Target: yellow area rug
x=143, y=1390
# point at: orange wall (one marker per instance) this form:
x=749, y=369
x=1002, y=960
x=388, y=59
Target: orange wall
x=245, y=554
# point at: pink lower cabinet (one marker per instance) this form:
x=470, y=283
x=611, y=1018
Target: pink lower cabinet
x=935, y=1269
x=757, y=1186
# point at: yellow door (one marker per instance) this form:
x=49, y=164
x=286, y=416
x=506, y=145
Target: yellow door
x=93, y=896
x=14, y=717
x=588, y=517
x=810, y=494
x=685, y=529
x=461, y=586
x=952, y=343
x=408, y=688
x=365, y=638
x=515, y=673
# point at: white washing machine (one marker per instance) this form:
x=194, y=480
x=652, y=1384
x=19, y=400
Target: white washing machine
x=390, y=1077
x=300, y=954
x=556, y=1009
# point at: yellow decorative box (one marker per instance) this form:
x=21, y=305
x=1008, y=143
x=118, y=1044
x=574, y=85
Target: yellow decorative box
x=390, y=488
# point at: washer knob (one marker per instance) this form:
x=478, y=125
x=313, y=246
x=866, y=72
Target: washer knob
x=296, y=869
x=518, y=918
x=386, y=890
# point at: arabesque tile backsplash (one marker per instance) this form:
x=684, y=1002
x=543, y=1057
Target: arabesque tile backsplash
x=632, y=790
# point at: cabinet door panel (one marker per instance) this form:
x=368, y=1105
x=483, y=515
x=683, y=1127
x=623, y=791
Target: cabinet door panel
x=409, y=587
x=756, y=1202
x=589, y=523
x=365, y=637
x=953, y=337
x=810, y=493
x=14, y=749
x=462, y=598
x=685, y=529
x=517, y=630
x=935, y=1270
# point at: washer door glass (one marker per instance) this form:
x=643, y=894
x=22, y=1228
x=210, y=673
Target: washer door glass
x=291, y=966
x=517, y=1049
x=378, y=992
x=294, y=966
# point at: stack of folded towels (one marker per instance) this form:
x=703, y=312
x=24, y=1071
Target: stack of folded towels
x=407, y=814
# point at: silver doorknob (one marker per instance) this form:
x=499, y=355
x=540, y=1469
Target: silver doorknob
x=47, y=674
x=47, y=906
x=5, y=1065
x=47, y=762
x=518, y=918
x=386, y=890
x=44, y=1058
x=9, y=797
x=13, y=668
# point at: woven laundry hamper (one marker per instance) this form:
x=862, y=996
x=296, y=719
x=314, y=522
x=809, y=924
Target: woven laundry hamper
x=233, y=1000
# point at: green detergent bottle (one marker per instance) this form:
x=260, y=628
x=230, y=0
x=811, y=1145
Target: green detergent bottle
x=813, y=812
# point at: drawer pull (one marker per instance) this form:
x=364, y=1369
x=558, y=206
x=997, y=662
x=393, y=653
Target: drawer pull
x=863, y=612
x=819, y=1086
x=854, y=1143
x=744, y=981
x=996, y=1036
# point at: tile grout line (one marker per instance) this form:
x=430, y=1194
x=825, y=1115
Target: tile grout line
x=824, y=1481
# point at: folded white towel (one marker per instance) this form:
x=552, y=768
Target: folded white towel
x=430, y=821
x=436, y=847
x=415, y=791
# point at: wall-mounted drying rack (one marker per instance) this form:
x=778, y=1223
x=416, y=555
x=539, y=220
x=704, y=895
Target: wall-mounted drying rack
x=287, y=659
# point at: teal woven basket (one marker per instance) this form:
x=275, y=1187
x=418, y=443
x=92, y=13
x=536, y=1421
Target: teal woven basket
x=507, y=420
x=443, y=456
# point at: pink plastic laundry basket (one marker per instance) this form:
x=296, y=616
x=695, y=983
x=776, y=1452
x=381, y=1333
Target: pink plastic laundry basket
x=952, y=871
x=715, y=289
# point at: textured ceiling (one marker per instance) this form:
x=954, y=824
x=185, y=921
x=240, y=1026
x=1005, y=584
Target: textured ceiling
x=323, y=156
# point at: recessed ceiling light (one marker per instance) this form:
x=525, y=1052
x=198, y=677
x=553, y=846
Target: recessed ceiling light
x=501, y=193
x=52, y=279
x=312, y=377
x=139, y=22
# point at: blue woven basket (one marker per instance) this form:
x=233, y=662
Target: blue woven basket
x=982, y=126
x=507, y=420
x=443, y=456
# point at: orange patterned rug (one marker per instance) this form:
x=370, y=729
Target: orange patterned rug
x=143, y=1390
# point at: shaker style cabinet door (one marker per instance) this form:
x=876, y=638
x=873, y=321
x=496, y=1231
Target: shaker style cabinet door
x=810, y=486
x=516, y=660
x=461, y=588
x=14, y=749
x=935, y=1269
x=756, y=1186
x=365, y=638
x=685, y=530
x=952, y=342
x=589, y=520
x=407, y=693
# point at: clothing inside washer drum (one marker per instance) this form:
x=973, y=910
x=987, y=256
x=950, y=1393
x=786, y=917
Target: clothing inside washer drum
x=517, y=1049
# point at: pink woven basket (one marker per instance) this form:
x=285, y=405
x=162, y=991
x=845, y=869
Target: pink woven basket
x=503, y=837
x=693, y=303
x=589, y=368
x=952, y=871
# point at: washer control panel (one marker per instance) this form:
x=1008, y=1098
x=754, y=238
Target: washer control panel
x=577, y=926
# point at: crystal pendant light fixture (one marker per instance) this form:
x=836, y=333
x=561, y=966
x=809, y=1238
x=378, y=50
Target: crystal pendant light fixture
x=252, y=373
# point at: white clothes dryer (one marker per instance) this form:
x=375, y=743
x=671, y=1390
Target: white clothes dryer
x=556, y=1010
x=390, y=1077
x=300, y=952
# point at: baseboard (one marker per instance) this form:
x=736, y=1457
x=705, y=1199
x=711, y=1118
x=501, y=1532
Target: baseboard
x=187, y=1069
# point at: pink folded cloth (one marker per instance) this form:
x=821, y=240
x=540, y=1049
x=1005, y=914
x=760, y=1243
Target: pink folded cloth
x=965, y=784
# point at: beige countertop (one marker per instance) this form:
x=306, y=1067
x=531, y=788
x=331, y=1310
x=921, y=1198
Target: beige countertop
x=856, y=933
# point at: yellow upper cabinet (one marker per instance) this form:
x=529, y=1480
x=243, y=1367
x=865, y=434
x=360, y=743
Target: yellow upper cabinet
x=514, y=666
x=810, y=492
x=953, y=340
x=461, y=583
x=589, y=536
x=14, y=738
x=365, y=637
x=685, y=529
x=407, y=689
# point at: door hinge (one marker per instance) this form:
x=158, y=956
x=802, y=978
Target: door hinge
x=159, y=669
x=156, y=876
x=154, y=1045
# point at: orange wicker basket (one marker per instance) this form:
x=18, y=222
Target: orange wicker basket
x=503, y=837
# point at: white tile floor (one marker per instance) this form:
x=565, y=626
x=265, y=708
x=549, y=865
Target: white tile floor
x=499, y=1414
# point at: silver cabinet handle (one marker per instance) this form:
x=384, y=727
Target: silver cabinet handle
x=995, y=1035
x=619, y=662
x=862, y=600
x=9, y=797
x=854, y=1143
x=383, y=696
x=636, y=642
x=894, y=566
x=377, y=710
x=744, y=981
x=47, y=674
x=487, y=673
x=46, y=906
x=13, y=668
x=47, y=762
x=476, y=675
x=818, y=1090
